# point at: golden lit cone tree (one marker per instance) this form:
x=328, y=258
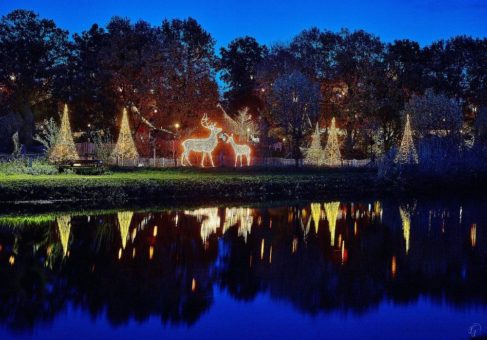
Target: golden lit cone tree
x=64, y=148
x=315, y=152
x=332, y=155
x=125, y=147
x=407, y=152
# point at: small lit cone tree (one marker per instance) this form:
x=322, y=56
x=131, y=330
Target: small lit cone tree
x=125, y=147
x=315, y=153
x=407, y=152
x=332, y=155
x=64, y=148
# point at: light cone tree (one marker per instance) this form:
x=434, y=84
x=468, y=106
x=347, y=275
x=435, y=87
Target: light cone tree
x=332, y=155
x=315, y=153
x=125, y=147
x=64, y=148
x=407, y=152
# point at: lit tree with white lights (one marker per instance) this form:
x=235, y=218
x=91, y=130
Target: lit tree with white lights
x=125, y=147
x=407, y=152
x=64, y=148
x=315, y=152
x=333, y=156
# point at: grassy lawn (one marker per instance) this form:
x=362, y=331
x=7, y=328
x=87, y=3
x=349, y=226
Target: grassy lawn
x=181, y=175
x=185, y=184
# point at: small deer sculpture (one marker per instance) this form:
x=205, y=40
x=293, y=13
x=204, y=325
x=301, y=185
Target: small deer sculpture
x=203, y=145
x=240, y=150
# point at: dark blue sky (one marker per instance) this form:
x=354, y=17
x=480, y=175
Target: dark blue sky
x=279, y=20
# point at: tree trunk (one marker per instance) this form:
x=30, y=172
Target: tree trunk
x=28, y=124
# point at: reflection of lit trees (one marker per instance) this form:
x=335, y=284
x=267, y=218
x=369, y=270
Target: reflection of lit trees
x=331, y=210
x=405, y=213
x=241, y=216
x=124, y=220
x=209, y=219
x=177, y=284
x=316, y=214
x=64, y=227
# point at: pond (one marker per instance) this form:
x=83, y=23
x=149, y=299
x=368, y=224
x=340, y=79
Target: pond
x=375, y=268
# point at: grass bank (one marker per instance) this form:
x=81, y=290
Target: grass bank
x=186, y=185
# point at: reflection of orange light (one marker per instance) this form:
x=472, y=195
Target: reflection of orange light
x=262, y=249
x=355, y=228
x=295, y=245
x=344, y=253
x=473, y=235
x=120, y=253
x=151, y=252
x=11, y=260
x=154, y=233
x=133, y=253
x=393, y=267
x=270, y=255
x=193, y=285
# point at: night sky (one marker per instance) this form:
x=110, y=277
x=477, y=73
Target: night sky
x=273, y=21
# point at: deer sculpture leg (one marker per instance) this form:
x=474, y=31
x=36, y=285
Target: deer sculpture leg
x=248, y=159
x=236, y=158
x=241, y=156
x=211, y=159
x=203, y=160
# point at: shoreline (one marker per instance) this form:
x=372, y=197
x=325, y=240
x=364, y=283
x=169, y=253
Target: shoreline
x=215, y=186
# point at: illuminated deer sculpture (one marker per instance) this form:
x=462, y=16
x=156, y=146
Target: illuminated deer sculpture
x=240, y=150
x=203, y=145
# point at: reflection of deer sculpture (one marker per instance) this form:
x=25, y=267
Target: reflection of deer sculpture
x=203, y=145
x=240, y=150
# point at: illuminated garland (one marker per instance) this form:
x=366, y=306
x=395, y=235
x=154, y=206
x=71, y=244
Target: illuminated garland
x=332, y=156
x=64, y=148
x=125, y=147
x=407, y=152
x=124, y=221
x=64, y=227
x=315, y=153
x=331, y=210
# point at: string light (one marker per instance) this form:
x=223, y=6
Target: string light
x=125, y=147
x=315, y=153
x=203, y=145
x=240, y=150
x=473, y=235
x=407, y=152
x=64, y=148
x=333, y=156
x=64, y=227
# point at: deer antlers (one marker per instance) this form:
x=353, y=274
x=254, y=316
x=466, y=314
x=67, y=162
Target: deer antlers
x=205, y=122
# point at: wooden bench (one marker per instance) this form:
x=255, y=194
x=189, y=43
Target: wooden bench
x=92, y=166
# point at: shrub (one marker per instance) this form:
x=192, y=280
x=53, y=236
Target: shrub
x=26, y=166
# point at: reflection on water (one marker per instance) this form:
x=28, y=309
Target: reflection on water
x=320, y=258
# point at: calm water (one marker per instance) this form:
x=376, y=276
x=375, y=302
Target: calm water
x=377, y=269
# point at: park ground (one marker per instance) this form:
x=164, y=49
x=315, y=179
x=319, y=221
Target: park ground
x=180, y=186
